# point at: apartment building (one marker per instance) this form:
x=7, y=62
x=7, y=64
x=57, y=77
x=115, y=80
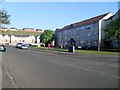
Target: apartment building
x=88, y=33
x=39, y=30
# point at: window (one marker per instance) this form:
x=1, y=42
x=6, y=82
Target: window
x=65, y=31
x=82, y=34
x=95, y=33
x=89, y=42
x=82, y=42
x=88, y=34
x=6, y=40
x=82, y=27
x=95, y=41
x=65, y=37
x=77, y=28
x=59, y=36
x=88, y=26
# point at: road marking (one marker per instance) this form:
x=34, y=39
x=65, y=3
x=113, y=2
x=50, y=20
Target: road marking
x=92, y=71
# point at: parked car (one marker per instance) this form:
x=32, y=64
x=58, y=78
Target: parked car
x=18, y=45
x=2, y=48
x=23, y=46
x=28, y=45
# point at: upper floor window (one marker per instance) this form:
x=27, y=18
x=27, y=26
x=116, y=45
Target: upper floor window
x=82, y=42
x=82, y=27
x=95, y=33
x=77, y=36
x=59, y=36
x=88, y=34
x=65, y=37
x=65, y=31
x=77, y=28
x=82, y=34
x=89, y=42
x=88, y=26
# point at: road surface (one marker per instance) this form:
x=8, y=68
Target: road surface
x=43, y=69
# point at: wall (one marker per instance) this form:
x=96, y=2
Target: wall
x=4, y=39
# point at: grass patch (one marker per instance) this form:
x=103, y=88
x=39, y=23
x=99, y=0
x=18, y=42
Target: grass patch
x=95, y=52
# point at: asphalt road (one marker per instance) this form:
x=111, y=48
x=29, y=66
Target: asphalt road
x=43, y=69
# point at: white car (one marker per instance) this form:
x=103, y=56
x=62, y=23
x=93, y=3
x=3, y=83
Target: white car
x=18, y=45
x=23, y=46
x=2, y=48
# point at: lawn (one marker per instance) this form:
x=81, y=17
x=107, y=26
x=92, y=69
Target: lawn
x=96, y=52
x=81, y=51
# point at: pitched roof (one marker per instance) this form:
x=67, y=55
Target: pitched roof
x=110, y=18
x=84, y=22
x=117, y=13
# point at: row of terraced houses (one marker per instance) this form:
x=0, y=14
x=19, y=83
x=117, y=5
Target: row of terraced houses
x=13, y=38
x=88, y=33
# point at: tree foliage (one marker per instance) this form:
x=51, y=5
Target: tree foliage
x=4, y=18
x=112, y=30
x=46, y=36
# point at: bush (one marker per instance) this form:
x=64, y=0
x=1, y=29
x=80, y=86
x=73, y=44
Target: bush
x=93, y=47
x=42, y=44
x=33, y=45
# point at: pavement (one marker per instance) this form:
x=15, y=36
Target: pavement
x=46, y=69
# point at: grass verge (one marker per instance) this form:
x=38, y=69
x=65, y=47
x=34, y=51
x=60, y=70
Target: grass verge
x=81, y=51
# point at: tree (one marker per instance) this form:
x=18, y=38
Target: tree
x=4, y=18
x=46, y=36
x=112, y=30
x=72, y=42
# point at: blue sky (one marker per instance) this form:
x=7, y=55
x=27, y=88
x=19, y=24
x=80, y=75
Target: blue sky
x=52, y=15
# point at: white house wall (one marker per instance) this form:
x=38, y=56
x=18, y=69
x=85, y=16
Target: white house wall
x=16, y=39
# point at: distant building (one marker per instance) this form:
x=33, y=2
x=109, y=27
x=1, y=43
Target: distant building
x=28, y=29
x=3, y=29
x=13, y=29
x=39, y=30
x=87, y=34
x=6, y=39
